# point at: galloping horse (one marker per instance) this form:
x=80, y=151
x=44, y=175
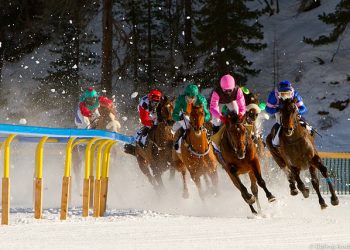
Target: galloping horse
x=197, y=154
x=253, y=121
x=157, y=153
x=239, y=156
x=298, y=152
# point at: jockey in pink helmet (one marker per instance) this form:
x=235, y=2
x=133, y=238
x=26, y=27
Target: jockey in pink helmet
x=229, y=95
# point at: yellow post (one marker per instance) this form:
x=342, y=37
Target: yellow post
x=104, y=177
x=38, y=181
x=87, y=183
x=97, y=192
x=66, y=180
x=91, y=174
x=5, y=202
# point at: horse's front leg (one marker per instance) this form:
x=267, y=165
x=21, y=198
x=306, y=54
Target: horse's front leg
x=316, y=185
x=197, y=180
x=158, y=177
x=143, y=165
x=291, y=180
x=214, y=180
x=300, y=184
x=261, y=182
x=254, y=188
x=317, y=162
x=232, y=172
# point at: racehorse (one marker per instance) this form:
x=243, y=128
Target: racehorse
x=157, y=153
x=107, y=119
x=196, y=154
x=297, y=152
x=255, y=117
x=239, y=156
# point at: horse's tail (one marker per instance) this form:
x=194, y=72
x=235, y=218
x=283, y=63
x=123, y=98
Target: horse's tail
x=129, y=149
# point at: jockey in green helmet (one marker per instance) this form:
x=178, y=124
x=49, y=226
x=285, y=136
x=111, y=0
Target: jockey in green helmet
x=183, y=108
x=87, y=113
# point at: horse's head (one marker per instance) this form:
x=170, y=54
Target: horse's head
x=237, y=136
x=165, y=110
x=251, y=115
x=289, y=114
x=107, y=119
x=197, y=118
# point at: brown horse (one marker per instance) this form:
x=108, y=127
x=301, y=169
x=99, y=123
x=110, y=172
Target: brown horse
x=298, y=152
x=239, y=156
x=197, y=154
x=107, y=119
x=157, y=153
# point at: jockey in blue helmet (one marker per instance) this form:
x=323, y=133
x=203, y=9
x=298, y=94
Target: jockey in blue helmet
x=283, y=91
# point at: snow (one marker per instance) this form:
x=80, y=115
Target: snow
x=22, y=121
x=138, y=218
x=134, y=95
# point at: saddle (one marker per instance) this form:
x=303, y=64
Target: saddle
x=216, y=138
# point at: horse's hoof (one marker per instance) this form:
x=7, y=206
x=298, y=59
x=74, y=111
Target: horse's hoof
x=271, y=198
x=293, y=192
x=250, y=200
x=306, y=192
x=323, y=206
x=335, y=201
x=185, y=195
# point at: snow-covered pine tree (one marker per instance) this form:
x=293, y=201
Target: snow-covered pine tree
x=72, y=42
x=225, y=30
x=339, y=19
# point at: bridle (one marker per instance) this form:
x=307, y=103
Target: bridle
x=198, y=131
x=289, y=131
x=232, y=144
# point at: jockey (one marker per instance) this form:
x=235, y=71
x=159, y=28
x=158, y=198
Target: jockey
x=284, y=91
x=87, y=112
x=148, y=114
x=183, y=107
x=229, y=95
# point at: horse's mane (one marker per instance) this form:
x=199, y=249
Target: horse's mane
x=289, y=104
x=233, y=117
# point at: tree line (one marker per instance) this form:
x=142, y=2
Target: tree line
x=148, y=43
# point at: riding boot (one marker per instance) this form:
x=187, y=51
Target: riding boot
x=143, y=136
x=276, y=139
x=181, y=134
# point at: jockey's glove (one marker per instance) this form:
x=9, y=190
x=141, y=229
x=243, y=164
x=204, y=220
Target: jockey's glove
x=223, y=119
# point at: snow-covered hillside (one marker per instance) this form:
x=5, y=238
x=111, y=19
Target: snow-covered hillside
x=320, y=85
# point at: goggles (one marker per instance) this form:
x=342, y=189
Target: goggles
x=285, y=95
x=228, y=91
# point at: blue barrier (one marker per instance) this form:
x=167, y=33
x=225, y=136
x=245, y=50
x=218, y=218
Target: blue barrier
x=32, y=133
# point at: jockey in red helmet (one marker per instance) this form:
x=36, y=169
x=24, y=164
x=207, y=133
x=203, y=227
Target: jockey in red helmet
x=87, y=113
x=148, y=114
